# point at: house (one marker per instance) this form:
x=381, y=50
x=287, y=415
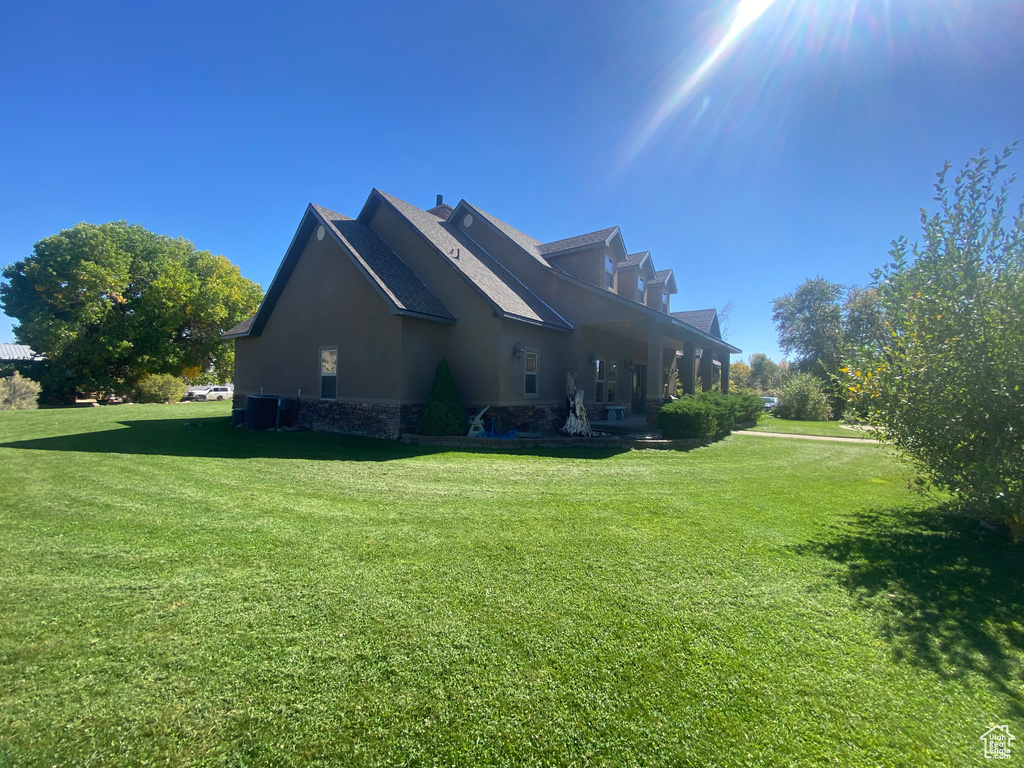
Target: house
x=18, y=357
x=13, y=353
x=361, y=310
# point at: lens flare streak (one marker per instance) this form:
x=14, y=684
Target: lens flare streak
x=747, y=12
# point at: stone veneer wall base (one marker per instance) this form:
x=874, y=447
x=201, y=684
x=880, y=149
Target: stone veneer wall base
x=391, y=421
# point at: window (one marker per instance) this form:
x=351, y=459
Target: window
x=609, y=272
x=664, y=301
x=605, y=377
x=531, y=367
x=640, y=289
x=329, y=373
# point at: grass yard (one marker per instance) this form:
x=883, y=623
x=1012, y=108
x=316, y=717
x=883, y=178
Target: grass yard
x=174, y=591
x=821, y=428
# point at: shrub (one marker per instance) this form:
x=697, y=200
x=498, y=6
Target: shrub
x=708, y=414
x=748, y=406
x=160, y=388
x=803, y=398
x=443, y=413
x=723, y=408
x=688, y=417
x=18, y=393
x=944, y=384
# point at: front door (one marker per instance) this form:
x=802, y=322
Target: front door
x=639, y=389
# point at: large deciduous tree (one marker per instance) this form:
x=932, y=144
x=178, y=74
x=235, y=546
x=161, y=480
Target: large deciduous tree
x=810, y=325
x=765, y=373
x=112, y=303
x=946, y=384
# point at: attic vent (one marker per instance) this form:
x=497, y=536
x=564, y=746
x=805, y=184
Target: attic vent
x=320, y=232
x=468, y=221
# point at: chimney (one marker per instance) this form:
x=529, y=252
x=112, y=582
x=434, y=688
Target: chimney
x=440, y=200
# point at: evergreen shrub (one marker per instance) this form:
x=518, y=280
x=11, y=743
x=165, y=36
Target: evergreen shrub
x=18, y=393
x=443, y=414
x=688, y=417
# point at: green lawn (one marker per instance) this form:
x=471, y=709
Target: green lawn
x=822, y=428
x=174, y=591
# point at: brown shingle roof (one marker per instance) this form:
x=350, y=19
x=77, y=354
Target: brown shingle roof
x=504, y=291
x=701, y=319
x=442, y=211
x=661, y=276
x=529, y=244
x=634, y=259
x=382, y=265
x=579, y=241
x=241, y=329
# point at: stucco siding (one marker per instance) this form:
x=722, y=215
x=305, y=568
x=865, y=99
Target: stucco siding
x=326, y=302
x=471, y=343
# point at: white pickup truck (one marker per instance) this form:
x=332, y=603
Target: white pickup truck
x=218, y=392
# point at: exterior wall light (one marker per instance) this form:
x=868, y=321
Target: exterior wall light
x=517, y=351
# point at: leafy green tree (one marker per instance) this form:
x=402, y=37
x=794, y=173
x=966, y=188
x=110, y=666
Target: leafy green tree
x=809, y=322
x=739, y=375
x=443, y=413
x=18, y=393
x=765, y=373
x=863, y=319
x=946, y=385
x=109, y=304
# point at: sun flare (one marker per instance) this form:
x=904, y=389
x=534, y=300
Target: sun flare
x=747, y=12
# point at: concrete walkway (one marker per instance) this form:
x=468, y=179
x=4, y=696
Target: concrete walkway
x=807, y=437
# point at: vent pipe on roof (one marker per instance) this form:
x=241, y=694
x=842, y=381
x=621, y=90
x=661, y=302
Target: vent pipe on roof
x=440, y=199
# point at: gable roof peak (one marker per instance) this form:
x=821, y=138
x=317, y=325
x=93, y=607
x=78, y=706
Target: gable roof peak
x=558, y=247
x=702, y=319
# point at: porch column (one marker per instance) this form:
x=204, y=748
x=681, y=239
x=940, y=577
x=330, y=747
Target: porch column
x=707, y=369
x=673, y=376
x=655, y=370
x=725, y=373
x=686, y=373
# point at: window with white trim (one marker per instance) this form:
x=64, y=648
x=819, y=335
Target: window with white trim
x=329, y=373
x=531, y=373
x=605, y=379
x=609, y=272
x=640, y=289
x=664, y=301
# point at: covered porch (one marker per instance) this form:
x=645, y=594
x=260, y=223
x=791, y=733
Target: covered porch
x=655, y=353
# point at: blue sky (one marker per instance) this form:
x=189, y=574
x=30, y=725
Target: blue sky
x=747, y=144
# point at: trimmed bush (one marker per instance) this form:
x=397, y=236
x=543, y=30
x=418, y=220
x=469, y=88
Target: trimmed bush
x=749, y=407
x=803, y=398
x=687, y=417
x=443, y=414
x=160, y=388
x=18, y=393
x=708, y=414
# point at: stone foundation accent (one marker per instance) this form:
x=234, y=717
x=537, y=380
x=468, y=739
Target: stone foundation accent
x=366, y=419
x=389, y=421
x=352, y=418
x=522, y=418
x=651, y=408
